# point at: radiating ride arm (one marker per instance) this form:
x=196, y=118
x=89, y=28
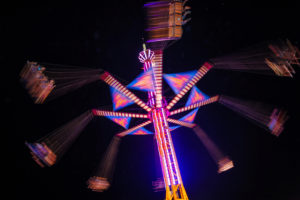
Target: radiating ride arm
x=200, y=73
x=195, y=105
x=97, y=112
x=110, y=80
x=181, y=123
x=124, y=133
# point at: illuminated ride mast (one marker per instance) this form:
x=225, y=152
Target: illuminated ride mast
x=172, y=178
x=165, y=22
x=159, y=116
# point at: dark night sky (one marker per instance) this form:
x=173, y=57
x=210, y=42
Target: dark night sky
x=108, y=36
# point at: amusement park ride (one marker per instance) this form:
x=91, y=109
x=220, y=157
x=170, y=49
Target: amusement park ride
x=164, y=26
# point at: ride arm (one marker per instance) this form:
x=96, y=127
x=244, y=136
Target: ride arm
x=97, y=112
x=195, y=105
x=200, y=73
x=181, y=123
x=126, y=132
x=111, y=81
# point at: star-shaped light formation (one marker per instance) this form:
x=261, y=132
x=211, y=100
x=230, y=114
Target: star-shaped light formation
x=159, y=113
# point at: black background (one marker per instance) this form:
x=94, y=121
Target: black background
x=108, y=35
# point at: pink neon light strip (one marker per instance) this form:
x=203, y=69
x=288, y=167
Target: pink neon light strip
x=195, y=105
x=157, y=72
x=161, y=147
x=124, y=133
x=162, y=129
x=151, y=96
x=166, y=148
x=181, y=123
x=161, y=126
x=110, y=80
x=117, y=114
x=174, y=164
x=159, y=139
x=200, y=73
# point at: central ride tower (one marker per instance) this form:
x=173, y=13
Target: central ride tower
x=173, y=182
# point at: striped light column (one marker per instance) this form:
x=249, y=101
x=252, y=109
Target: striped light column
x=195, y=105
x=172, y=177
x=157, y=73
x=110, y=80
x=200, y=73
x=149, y=63
x=117, y=114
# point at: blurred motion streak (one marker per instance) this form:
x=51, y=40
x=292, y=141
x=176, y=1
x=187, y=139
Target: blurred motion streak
x=47, y=150
x=103, y=176
x=279, y=56
x=223, y=162
x=48, y=81
x=270, y=118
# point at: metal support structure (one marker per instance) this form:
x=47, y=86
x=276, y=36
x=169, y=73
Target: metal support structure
x=172, y=178
x=173, y=182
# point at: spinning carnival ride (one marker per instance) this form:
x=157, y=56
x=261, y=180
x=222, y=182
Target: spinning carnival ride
x=165, y=20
